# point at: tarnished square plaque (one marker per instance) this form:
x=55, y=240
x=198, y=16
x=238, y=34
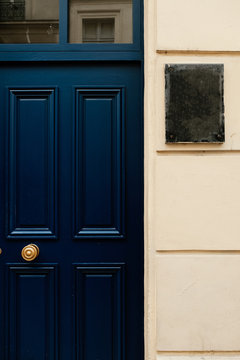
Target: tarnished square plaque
x=194, y=103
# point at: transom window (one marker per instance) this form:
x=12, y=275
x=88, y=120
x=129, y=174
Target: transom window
x=90, y=21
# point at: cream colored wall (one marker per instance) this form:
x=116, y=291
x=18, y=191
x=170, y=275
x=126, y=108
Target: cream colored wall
x=192, y=192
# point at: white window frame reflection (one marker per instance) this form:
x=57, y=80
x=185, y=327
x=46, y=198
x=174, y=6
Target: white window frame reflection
x=98, y=33
x=76, y=33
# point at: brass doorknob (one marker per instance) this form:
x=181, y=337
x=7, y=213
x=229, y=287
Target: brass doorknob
x=30, y=252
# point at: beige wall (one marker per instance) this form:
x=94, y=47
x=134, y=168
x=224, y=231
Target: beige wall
x=192, y=192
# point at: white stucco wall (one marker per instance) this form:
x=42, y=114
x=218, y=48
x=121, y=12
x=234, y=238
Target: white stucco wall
x=192, y=192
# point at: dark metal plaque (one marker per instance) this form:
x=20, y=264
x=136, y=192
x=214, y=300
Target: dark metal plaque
x=194, y=103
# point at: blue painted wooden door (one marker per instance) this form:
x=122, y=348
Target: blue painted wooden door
x=71, y=182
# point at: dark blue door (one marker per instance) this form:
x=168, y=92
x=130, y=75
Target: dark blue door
x=71, y=183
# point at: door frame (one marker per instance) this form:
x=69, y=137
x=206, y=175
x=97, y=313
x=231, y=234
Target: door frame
x=64, y=52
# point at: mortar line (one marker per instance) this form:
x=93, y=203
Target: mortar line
x=198, y=152
x=198, y=251
x=199, y=52
x=210, y=352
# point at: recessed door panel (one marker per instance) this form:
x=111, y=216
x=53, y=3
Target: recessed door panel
x=32, y=163
x=99, y=160
x=31, y=311
x=99, y=311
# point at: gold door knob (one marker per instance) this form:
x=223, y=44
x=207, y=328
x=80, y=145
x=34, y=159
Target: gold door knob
x=30, y=252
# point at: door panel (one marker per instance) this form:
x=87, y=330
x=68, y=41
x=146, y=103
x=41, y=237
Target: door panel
x=71, y=176
x=99, y=317
x=31, y=314
x=99, y=162
x=32, y=155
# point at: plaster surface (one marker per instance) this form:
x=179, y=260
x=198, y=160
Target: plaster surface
x=198, y=301
x=197, y=202
x=192, y=196
x=198, y=25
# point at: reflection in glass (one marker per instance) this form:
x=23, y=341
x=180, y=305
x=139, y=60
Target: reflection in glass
x=100, y=21
x=29, y=21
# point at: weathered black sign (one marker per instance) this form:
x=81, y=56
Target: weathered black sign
x=194, y=103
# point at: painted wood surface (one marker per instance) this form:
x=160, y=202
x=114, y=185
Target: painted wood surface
x=71, y=176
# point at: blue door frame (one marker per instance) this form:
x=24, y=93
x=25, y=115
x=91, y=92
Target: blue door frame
x=71, y=182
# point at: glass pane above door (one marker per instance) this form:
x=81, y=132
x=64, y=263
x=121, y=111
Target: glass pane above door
x=100, y=21
x=29, y=21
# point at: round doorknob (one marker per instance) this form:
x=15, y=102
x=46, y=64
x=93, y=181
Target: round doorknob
x=30, y=252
